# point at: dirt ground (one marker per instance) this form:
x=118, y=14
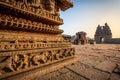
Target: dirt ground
x=96, y=62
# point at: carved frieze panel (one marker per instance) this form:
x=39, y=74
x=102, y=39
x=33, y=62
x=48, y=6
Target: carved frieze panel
x=9, y=22
x=28, y=46
x=20, y=61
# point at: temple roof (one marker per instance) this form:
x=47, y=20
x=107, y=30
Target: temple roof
x=64, y=4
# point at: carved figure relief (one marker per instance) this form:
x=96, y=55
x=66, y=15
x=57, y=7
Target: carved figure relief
x=50, y=5
x=36, y=4
x=14, y=63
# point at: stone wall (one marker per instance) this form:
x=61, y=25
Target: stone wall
x=113, y=41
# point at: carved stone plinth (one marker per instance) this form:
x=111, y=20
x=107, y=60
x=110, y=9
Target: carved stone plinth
x=30, y=36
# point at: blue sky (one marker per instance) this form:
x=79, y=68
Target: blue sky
x=86, y=15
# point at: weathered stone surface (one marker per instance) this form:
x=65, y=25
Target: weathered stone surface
x=114, y=77
x=107, y=66
x=117, y=69
x=88, y=72
x=71, y=76
x=63, y=70
x=118, y=55
x=91, y=61
x=109, y=53
x=50, y=76
x=115, y=59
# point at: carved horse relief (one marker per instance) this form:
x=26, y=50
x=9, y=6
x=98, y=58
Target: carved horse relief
x=14, y=63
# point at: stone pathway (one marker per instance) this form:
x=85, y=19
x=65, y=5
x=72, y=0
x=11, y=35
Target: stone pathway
x=96, y=62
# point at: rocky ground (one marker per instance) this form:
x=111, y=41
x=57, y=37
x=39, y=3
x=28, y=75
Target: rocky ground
x=96, y=62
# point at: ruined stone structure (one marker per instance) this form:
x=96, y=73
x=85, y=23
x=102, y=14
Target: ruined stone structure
x=67, y=37
x=103, y=34
x=30, y=36
x=79, y=38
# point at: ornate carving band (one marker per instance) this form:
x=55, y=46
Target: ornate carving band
x=31, y=12
x=29, y=46
x=20, y=61
x=10, y=22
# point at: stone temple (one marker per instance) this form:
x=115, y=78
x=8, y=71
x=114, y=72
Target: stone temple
x=103, y=34
x=30, y=36
x=78, y=38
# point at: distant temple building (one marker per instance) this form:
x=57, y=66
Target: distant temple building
x=78, y=38
x=67, y=37
x=103, y=34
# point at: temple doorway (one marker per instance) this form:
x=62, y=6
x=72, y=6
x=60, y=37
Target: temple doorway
x=101, y=39
x=82, y=42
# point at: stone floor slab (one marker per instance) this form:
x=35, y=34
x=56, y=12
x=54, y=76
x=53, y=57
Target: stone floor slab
x=114, y=77
x=88, y=72
x=107, y=66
